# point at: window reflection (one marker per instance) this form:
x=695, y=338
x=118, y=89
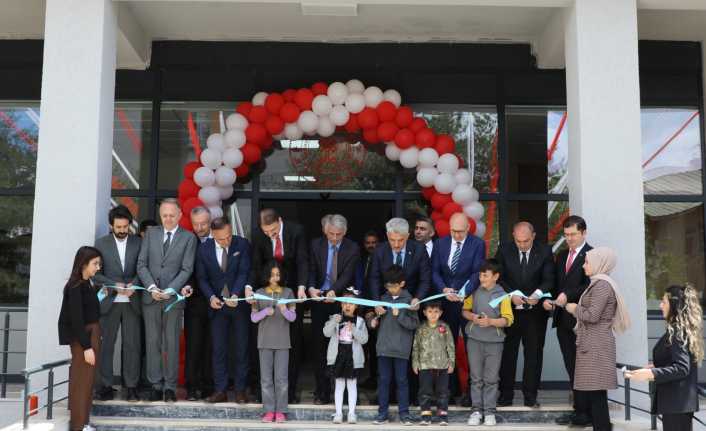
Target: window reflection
x=132, y=139
x=15, y=248
x=19, y=132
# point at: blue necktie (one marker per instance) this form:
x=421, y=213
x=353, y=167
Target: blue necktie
x=456, y=257
x=398, y=259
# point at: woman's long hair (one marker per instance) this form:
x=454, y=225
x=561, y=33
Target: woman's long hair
x=83, y=256
x=684, y=320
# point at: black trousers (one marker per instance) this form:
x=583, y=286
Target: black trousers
x=567, y=344
x=197, y=331
x=320, y=313
x=597, y=403
x=434, y=384
x=529, y=327
x=452, y=315
x=678, y=422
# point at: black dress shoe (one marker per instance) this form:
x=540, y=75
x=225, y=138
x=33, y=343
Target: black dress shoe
x=169, y=395
x=580, y=420
x=156, y=395
x=531, y=403
x=192, y=395
x=104, y=394
x=132, y=395
x=294, y=399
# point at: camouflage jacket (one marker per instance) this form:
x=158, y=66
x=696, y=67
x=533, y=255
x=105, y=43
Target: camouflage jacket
x=433, y=347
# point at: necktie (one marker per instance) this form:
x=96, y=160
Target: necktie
x=224, y=265
x=167, y=243
x=367, y=267
x=570, y=260
x=279, y=252
x=398, y=258
x=456, y=257
x=523, y=264
x=334, y=265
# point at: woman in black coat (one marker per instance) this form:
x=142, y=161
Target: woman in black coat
x=675, y=359
x=79, y=328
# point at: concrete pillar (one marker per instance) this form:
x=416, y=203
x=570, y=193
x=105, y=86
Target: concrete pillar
x=73, y=182
x=605, y=150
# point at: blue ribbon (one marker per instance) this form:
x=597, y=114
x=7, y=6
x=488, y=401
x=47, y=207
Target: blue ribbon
x=347, y=299
x=102, y=295
x=495, y=302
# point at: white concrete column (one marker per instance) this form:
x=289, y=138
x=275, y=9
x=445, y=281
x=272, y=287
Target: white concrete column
x=72, y=189
x=605, y=149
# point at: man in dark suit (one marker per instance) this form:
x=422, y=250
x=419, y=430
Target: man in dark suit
x=285, y=242
x=424, y=233
x=527, y=266
x=222, y=269
x=121, y=308
x=333, y=260
x=370, y=242
x=166, y=262
x=571, y=282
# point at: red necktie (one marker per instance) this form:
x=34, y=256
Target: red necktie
x=570, y=260
x=279, y=252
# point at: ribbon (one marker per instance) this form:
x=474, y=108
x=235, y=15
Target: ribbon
x=102, y=295
x=170, y=291
x=346, y=299
x=538, y=294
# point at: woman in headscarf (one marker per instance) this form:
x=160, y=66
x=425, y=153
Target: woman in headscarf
x=676, y=358
x=599, y=313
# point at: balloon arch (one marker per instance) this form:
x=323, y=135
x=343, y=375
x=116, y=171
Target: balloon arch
x=318, y=111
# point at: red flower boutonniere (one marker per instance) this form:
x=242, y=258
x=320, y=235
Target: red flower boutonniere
x=442, y=329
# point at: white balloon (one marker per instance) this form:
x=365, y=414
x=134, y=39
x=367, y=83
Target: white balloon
x=216, y=211
x=325, y=128
x=337, y=92
x=339, y=115
x=475, y=195
x=292, y=131
x=393, y=96
x=447, y=164
x=444, y=183
x=480, y=229
x=474, y=210
x=463, y=176
x=409, y=157
x=355, y=103
x=321, y=105
x=226, y=192
x=234, y=138
x=204, y=177
x=426, y=176
x=355, y=86
x=211, y=158
x=210, y=196
x=428, y=158
x=232, y=158
x=392, y=152
x=462, y=194
x=308, y=122
x=259, y=98
x=225, y=176
x=373, y=96
x=216, y=142
x=237, y=121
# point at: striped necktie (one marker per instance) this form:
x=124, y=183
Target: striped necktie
x=456, y=257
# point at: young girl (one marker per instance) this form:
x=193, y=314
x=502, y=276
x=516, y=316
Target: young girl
x=345, y=354
x=273, y=342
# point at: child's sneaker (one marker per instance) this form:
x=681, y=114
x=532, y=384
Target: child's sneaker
x=406, y=420
x=426, y=418
x=337, y=419
x=352, y=418
x=475, y=419
x=443, y=419
x=489, y=420
x=268, y=417
x=280, y=417
x=381, y=419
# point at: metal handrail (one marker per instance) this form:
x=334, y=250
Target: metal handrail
x=6, y=345
x=49, y=405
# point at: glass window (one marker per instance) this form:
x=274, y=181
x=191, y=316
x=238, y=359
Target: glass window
x=557, y=212
x=671, y=151
x=19, y=133
x=674, y=247
x=15, y=248
x=239, y=212
x=132, y=138
x=139, y=207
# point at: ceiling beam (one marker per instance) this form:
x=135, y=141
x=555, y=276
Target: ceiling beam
x=133, y=43
x=548, y=47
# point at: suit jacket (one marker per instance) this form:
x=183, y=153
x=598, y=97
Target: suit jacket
x=417, y=270
x=472, y=257
x=112, y=272
x=170, y=270
x=362, y=274
x=348, y=259
x=572, y=284
x=296, y=253
x=211, y=279
x=676, y=378
x=538, y=275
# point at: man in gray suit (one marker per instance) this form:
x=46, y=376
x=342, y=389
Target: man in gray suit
x=121, y=308
x=166, y=261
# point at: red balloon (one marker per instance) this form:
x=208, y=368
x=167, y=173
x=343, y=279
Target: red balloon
x=442, y=228
x=274, y=125
x=371, y=136
x=289, y=94
x=190, y=168
x=450, y=209
x=251, y=153
x=472, y=226
x=387, y=131
x=386, y=111
x=266, y=144
x=185, y=222
x=190, y=204
x=242, y=171
x=428, y=192
x=425, y=138
x=274, y=102
x=319, y=88
x=255, y=133
x=289, y=112
x=352, y=125
x=188, y=189
x=440, y=199
x=368, y=118
x=418, y=124
x=303, y=98
x=404, y=116
x=436, y=215
x=404, y=138
x=244, y=108
x=258, y=114
x=444, y=144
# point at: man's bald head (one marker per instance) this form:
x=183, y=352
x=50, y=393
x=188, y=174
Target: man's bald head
x=523, y=234
x=459, y=226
